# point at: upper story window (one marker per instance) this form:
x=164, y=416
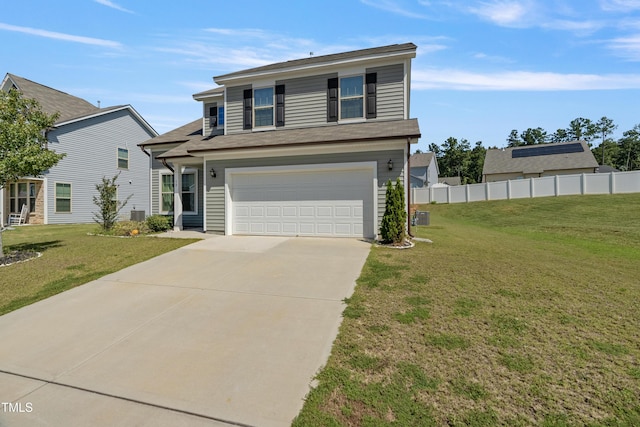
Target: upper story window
x=220, y=116
x=123, y=158
x=263, y=107
x=351, y=97
x=216, y=116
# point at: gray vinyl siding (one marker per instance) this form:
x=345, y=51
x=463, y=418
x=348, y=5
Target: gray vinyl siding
x=233, y=112
x=208, y=129
x=390, y=92
x=91, y=148
x=157, y=169
x=215, y=186
x=305, y=102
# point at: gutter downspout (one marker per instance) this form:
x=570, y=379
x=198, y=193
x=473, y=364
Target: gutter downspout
x=408, y=187
x=145, y=151
x=166, y=165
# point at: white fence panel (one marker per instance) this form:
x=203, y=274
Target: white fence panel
x=569, y=185
x=544, y=187
x=560, y=185
x=520, y=189
x=597, y=183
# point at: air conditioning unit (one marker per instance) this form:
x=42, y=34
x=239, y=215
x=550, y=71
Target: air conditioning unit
x=421, y=218
x=138, y=216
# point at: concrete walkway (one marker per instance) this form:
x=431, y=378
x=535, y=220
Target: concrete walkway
x=226, y=331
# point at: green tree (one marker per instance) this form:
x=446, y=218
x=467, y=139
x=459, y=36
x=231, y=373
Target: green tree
x=108, y=203
x=604, y=127
x=23, y=140
x=581, y=129
x=560, y=135
x=534, y=136
x=513, y=140
x=392, y=227
x=455, y=156
x=476, y=163
x=629, y=150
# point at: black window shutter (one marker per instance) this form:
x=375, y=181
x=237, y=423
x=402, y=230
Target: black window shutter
x=332, y=100
x=371, y=80
x=213, y=117
x=279, y=105
x=248, y=109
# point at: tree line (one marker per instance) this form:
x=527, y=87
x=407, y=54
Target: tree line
x=458, y=158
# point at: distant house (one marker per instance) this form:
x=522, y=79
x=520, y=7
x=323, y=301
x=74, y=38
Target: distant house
x=98, y=142
x=423, y=170
x=607, y=169
x=534, y=161
x=450, y=180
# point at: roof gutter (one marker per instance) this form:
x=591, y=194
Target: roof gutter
x=166, y=165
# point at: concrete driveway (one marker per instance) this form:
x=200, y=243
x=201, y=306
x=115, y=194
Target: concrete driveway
x=226, y=331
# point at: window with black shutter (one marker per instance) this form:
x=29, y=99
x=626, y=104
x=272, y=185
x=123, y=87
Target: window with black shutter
x=332, y=100
x=279, y=105
x=371, y=83
x=247, y=109
x=213, y=117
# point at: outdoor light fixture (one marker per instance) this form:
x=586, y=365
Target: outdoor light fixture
x=212, y=172
x=390, y=164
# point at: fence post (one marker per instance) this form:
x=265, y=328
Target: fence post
x=467, y=195
x=531, y=188
x=430, y=194
x=487, y=193
x=508, y=189
x=449, y=194
x=557, y=185
x=583, y=184
x=612, y=183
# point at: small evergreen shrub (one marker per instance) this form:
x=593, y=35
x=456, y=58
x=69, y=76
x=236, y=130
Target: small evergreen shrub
x=108, y=204
x=392, y=227
x=157, y=223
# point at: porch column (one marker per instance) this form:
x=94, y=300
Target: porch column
x=177, y=197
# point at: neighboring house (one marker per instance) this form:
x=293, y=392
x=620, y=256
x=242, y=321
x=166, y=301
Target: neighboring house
x=450, y=180
x=424, y=170
x=534, y=161
x=98, y=142
x=302, y=147
x=606, y=169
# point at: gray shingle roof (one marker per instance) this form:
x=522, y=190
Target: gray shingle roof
x=190, y=132
x=54, y=101
x=317, y=60
x=501, y=160
x=215, y=91
x=196, y=144
x=421, y=159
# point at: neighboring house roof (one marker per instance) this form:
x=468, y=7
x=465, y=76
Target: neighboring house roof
x=539, y=158
x=70, y=108
x=195, y=143
x=607, y=169
x=51, y=100
x=450, y=180
x=384, y=51
x=421, y=159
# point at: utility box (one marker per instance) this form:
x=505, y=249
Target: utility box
x=138, y=216
x=422, y=218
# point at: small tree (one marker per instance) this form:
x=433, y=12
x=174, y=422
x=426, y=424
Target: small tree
x=108, y=203
x=394, y=220
x=23, y=139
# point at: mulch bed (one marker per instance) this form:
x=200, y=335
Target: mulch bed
x=17, y=256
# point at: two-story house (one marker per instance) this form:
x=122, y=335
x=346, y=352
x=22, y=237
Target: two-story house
x=98, y=142
x=302, y=148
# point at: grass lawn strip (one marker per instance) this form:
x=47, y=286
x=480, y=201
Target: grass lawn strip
x=70, y=257
x=513, y=316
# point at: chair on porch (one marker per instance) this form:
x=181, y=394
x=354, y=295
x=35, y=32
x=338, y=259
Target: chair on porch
x=19, y=218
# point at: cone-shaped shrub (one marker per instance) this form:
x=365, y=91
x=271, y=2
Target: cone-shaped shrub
x=392, y=228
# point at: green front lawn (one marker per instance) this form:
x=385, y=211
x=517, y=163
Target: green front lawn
x=69, y=258
x=522, y=312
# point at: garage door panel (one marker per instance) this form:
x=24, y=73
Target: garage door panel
x=327, y=203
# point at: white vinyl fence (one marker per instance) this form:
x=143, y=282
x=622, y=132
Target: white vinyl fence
x=559, y=185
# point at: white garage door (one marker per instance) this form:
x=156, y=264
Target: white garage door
x=303, y=203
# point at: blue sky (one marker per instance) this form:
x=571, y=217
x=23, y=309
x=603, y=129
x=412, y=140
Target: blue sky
x=483, y=67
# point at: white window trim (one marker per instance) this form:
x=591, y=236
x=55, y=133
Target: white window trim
x=55, y=197
x=272, y=126
x=363, y=96
x=187, y=171
x=118, y=158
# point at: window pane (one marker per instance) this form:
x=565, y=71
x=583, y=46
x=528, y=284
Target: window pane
x=188, y=182
x=21, y=202
x=263, y=97
x=264, y=117
x=167, y=203
x=63, y=205
x=63, y=190
x=123, y=163
x=351, y=108
x=167, y=183
x=123, y=158
x=351, y=86
x=188, y=202
x=220, y=116
x=22, y=189
x=32, y=190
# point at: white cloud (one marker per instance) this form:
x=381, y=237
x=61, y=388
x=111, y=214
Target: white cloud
x=580, y=27
x=626, y=47
x=452, y=79
x=507, y=13
x=113, y=5
x=61, y=36
x=619, y=5
x=395, y=7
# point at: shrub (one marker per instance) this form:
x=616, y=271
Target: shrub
x=129, y=228
x=158, y=223
x=392, y=227
x=108, y=204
